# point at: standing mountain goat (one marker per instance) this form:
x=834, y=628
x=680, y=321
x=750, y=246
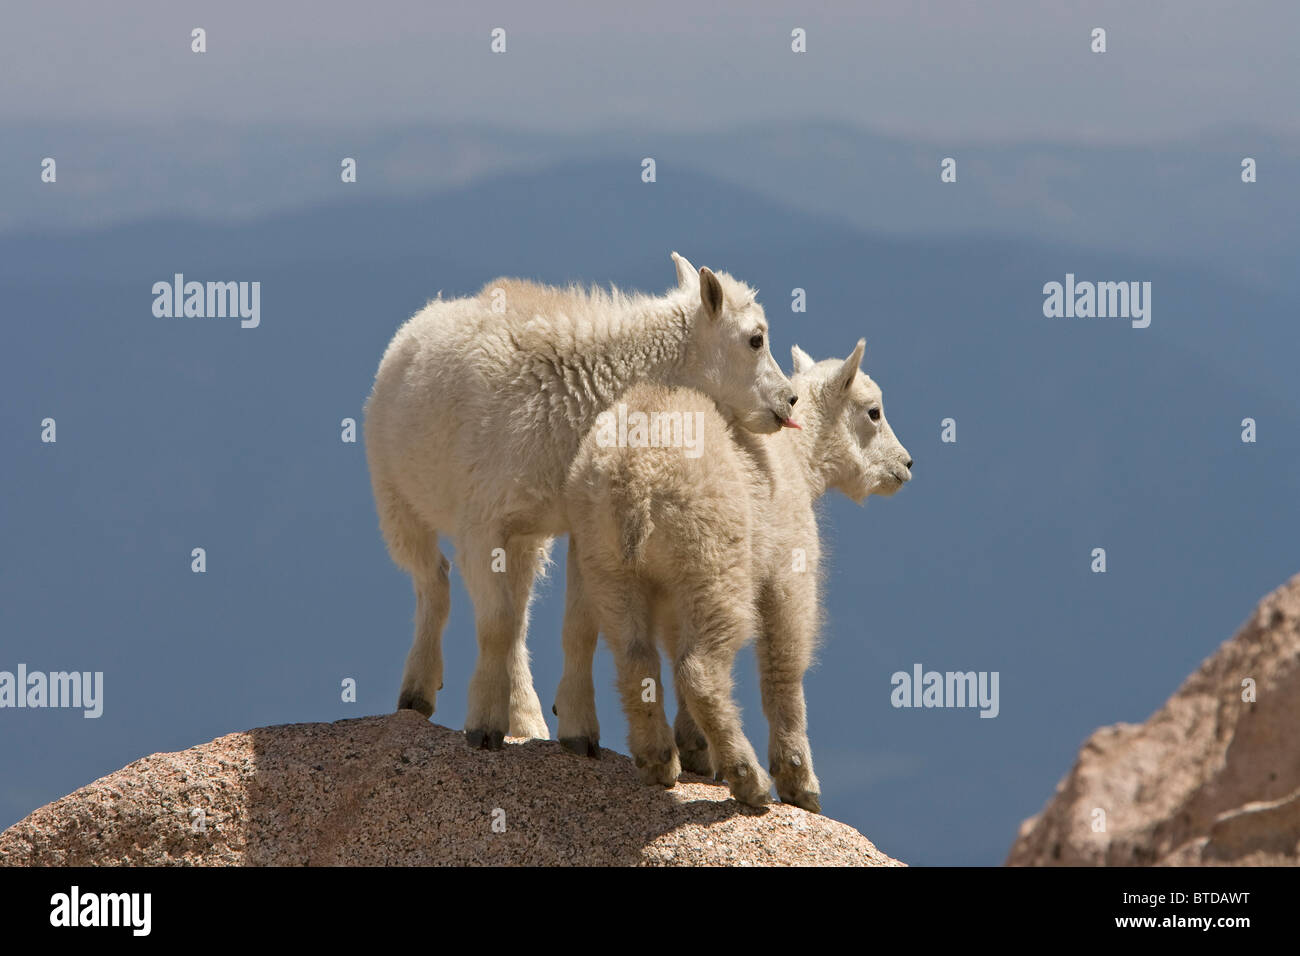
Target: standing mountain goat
x=701, y=551
x=476, y=414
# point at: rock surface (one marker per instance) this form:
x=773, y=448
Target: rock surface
x=397, y=790
x=1209, y=779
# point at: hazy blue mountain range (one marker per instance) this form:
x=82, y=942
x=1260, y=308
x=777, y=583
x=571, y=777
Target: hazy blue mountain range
x=1072, y=434
x=1183, y=197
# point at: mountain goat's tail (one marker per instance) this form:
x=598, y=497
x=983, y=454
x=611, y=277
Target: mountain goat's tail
x=635, y=524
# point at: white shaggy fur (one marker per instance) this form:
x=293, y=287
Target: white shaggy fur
x=701, y=552
x=476, y=413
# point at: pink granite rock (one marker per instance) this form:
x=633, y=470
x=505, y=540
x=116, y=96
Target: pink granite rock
x=1209, y=779
x=397, y=790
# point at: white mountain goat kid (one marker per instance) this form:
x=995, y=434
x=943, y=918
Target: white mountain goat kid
x=475, y=417
x=700, y=552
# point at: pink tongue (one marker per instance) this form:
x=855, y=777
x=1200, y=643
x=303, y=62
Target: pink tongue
x=790, y=423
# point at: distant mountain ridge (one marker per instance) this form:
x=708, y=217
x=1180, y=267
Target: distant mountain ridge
x=1132, y=198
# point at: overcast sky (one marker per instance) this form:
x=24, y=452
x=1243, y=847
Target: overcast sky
x=1011, y=69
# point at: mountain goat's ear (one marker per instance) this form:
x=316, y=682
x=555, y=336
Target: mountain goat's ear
x=849, y=370
x=802, y=360
x=685, y=271
x=710, y=292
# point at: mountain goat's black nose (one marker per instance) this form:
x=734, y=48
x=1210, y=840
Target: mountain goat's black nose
x=793, y=399
x=909, y=464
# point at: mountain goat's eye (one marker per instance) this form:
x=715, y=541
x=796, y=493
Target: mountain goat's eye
x=756, y=341
x=874, y=414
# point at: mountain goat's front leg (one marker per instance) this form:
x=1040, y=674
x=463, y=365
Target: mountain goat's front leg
x=787, y=634
x=575, y=700
x=499, y=579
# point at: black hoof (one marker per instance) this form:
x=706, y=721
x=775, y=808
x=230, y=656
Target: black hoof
x=485, y=739
x=694, y=755
x=696, y=761
x=582, y=746
x=413, y=701
x=804, y=800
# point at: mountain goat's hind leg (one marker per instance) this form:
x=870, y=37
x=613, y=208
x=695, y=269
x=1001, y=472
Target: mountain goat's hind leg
x=691, y=742
x=630, y=631
x=422, y=675
x=713, y=630
x=692, y=745
x=414, y=547
x=575, y=700
x=526, y=718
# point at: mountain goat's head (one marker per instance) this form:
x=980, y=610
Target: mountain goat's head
x=730, y=355
x=856, y=449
